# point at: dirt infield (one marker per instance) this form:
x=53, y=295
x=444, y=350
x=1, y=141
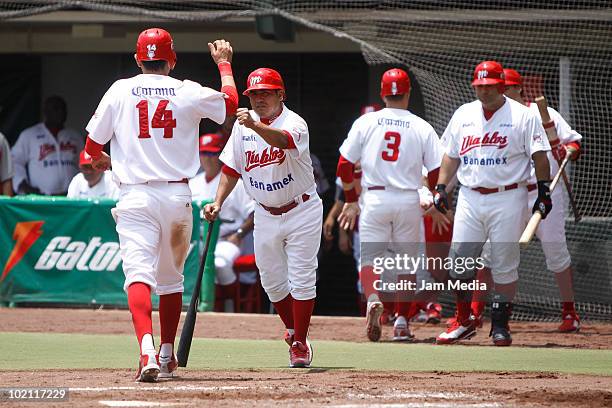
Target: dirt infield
x=305, y=388
x=268, y=327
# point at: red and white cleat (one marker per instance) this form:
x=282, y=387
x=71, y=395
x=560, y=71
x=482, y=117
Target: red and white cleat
x=300, y=355
x=457, y=332
x=570, y=323
x=167, y=366
x=148, y=369
x=401, y=332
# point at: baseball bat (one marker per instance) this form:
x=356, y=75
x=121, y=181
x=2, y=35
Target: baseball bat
x=535, y=219
x=551, y=134
x=190, y=318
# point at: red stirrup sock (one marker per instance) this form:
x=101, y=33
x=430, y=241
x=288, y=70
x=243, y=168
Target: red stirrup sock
x=169, y=315
x=284, y=308
x=139, y=302
x=302, y=311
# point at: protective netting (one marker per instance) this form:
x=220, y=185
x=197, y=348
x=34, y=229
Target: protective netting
x=563, y=47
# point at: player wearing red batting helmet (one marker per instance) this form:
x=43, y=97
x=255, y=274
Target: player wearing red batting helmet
x=490, y=145
x=551, y=231
x=151, y=121
x=393, y=145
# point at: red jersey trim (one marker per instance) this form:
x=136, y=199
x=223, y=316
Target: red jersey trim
x=92, y=148
x=229, y=171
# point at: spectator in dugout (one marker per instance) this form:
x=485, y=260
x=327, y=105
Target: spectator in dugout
x=92, y=183
x=46, y=155
x=6, y=168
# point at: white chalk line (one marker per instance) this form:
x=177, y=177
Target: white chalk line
x=185, y=388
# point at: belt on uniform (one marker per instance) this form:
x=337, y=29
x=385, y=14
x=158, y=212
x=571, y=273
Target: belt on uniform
x=285, y=208
x=376, y=188
x=531, y=187
x=183, y=180
x=484, y=190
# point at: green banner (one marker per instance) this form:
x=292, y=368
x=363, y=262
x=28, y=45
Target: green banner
x=59, y=250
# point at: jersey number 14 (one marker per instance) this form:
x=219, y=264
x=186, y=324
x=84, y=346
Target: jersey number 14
x=162, y=119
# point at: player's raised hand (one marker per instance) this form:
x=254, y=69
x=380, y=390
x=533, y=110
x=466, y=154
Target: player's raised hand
x=244, y=117
x=211, y=211
x=221, y=51
x=348, y=216
x=102, y=163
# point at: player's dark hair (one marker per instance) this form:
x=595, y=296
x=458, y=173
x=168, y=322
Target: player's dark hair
x=155, y=66
x=394, y=98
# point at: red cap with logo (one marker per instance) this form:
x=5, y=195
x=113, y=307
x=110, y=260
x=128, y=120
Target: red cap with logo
x=394, y=82
x=155, y=44
x=212, y=143
x=84, y=158
x=370, y=108
x=264, y=78
x=488, y=73
x=512, y=77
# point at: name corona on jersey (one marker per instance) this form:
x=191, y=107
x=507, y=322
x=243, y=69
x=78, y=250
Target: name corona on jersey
x=393, y=122
x=143, y=91
x=277, y=185
x=488, y=140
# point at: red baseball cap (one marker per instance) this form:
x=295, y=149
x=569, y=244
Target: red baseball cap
x=212, y=143
x=488, y=73
x=512, y=77
x=84, y=158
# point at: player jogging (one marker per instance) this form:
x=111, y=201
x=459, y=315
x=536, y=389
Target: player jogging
x=152, y=123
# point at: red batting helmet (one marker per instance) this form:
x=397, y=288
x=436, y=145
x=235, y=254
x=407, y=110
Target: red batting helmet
x=488, y=73
x=394, y=82
x=512, y=77
x=264, y=78
x=155, y=44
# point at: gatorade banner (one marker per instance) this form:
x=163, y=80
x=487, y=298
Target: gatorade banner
x=60, y=250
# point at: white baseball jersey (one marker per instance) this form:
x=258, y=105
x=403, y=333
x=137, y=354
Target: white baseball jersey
x=236, y=207
x=564, y=131
x=272, y=176
x=46, y=162
x=105, y=188
x=495, y=152
x=6, y=162
x=393, y=146
x=154, y=120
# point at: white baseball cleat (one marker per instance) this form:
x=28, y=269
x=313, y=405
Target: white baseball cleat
x=401, y=332
x=373, y=327
x=148, y=369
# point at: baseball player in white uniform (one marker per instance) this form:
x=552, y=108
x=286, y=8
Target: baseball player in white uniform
x=236, y=228
x=268, y=149
x=393, y=145
x=152, y=123
x=92, y=183
x=551, y=231
x=489, y=145
x=6, y=168
x=46, y=155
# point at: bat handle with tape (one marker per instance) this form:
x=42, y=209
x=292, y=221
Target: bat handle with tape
x=182, y=353
x=535, y=219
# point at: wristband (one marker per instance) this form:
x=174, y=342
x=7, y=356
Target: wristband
x=350, y=195
x=225, y=68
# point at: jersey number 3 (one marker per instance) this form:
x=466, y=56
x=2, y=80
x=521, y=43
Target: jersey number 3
x=162, y=119
x=392, y=151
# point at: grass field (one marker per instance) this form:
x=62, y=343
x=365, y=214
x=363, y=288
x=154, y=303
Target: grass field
x=80, y=351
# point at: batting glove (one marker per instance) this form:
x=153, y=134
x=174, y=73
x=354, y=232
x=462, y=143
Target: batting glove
x=440, y=199
x=558, y=150
x=543, y=204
